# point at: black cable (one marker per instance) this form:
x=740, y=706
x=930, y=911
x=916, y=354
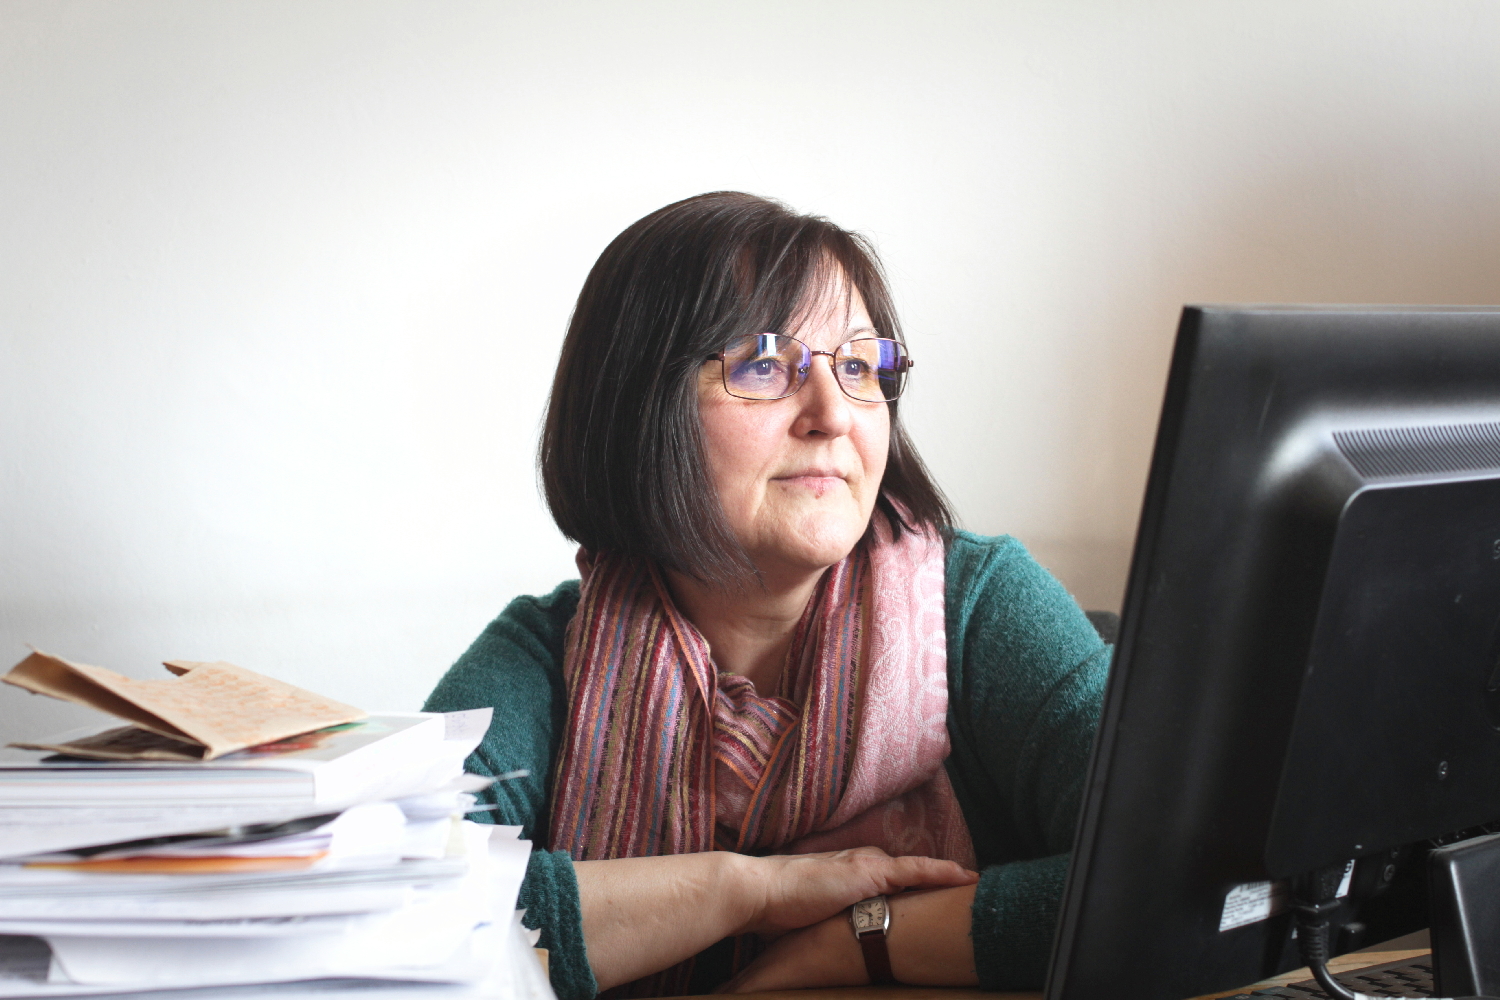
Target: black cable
x=1312, y=941
x=1314, y=896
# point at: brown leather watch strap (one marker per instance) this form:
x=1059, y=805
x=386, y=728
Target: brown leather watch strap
x=870, y=919
x=877, y=958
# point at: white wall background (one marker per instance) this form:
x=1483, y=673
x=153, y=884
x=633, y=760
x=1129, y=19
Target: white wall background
x=282, y=281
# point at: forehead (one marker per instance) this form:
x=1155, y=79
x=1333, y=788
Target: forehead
x=830, y=313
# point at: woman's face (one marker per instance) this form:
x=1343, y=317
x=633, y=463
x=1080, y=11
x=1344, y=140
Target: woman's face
x=798, y=477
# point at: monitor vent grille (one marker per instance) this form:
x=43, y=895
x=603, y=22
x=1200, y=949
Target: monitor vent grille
x=1413, y=451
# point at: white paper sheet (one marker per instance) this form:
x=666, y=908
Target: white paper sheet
x=513, y=973
x=244, y=927
x=457, y=933
x=508, y=857
x=63, y=895
x=473, y=963
x=419, y=940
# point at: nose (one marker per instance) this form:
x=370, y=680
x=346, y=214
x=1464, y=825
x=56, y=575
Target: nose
x=825, y=410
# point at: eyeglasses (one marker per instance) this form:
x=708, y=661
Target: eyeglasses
x=773, y=366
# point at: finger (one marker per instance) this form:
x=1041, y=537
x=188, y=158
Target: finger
x=750, y=979
x=745, y=983
x=869, y=850
x=849, y=852
x=923, y=873
x=760, y=976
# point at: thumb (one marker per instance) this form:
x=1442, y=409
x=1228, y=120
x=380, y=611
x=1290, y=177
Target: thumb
x=925, y=873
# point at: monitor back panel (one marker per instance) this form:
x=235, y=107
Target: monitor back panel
x=1262, y=545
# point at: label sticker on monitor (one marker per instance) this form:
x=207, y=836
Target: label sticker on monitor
x=1252, y=902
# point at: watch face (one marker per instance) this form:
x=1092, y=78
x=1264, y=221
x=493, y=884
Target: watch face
x=869, y=915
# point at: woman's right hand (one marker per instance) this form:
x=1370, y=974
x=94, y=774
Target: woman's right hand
x=788, y=891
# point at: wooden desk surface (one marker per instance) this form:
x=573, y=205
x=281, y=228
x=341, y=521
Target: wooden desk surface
x=1343, y=963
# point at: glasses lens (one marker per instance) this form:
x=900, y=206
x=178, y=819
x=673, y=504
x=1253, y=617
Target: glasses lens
x=764, y=366
x=872, y=370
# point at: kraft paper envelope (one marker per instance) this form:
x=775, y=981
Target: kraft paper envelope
x=208, y=710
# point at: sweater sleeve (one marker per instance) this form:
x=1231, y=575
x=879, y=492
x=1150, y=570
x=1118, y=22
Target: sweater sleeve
x=513, y=667
x=1026, y=683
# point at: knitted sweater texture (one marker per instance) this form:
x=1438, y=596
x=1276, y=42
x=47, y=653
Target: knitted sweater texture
x=1026, y=678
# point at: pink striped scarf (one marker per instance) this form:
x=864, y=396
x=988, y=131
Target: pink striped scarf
x=663, y=755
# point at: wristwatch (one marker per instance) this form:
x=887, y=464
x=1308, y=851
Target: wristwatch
x=871, y=918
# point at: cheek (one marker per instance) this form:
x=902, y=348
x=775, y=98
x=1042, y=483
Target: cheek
x=738, y=446
x=874, y=444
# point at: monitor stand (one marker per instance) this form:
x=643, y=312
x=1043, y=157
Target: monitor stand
x=1464, y=902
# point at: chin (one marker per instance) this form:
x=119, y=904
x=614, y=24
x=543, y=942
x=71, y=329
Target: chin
x=822, y=541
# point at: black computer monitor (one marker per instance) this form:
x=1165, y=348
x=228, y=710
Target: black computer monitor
x=1307, y=668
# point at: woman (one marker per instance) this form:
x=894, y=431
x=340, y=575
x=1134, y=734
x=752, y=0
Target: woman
x=785, y=683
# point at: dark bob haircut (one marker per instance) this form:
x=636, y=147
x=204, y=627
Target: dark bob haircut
x=622, y=455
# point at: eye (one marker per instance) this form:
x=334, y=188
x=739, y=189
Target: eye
x=853, y=368
x=762, y=366
x=758, y=369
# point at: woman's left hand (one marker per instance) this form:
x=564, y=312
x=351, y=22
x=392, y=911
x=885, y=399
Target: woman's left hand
x=928, y=940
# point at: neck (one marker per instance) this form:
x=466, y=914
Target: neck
x=749, y=629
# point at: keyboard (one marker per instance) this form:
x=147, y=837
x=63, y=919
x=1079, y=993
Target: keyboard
x=1410, y=977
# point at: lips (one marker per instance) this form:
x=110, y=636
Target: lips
x=818, y=481
x=812, y=476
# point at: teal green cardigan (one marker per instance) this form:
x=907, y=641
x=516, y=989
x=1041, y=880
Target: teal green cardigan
x=1026, y=678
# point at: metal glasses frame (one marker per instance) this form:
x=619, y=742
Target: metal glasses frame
x=906, y=364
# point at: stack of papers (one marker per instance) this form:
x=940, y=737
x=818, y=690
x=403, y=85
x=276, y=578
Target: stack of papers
x=332, y=859
x=61, y=804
